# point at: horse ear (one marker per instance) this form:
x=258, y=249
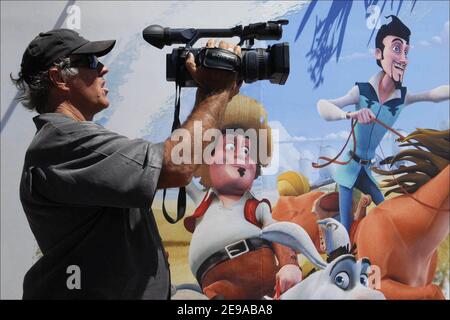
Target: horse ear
x=295, y=237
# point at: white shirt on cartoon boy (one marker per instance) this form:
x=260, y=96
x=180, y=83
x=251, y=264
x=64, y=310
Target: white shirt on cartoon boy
x=221, y=226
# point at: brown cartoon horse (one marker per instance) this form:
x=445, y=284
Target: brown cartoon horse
x=401, y=235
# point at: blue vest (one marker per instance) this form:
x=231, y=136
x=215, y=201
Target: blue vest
x=368, y=136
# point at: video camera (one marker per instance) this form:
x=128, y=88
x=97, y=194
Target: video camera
x=270, y=64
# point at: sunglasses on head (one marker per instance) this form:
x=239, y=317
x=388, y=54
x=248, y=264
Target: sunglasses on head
x=86, y=61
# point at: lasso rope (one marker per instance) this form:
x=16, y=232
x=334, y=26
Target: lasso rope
x=352, y=134
x=334, y=160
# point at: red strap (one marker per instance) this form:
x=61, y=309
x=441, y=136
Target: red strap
x=250, y=210
x=381, y=123
x=189, y=222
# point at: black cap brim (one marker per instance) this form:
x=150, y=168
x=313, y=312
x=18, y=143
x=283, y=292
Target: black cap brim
x=99, y=48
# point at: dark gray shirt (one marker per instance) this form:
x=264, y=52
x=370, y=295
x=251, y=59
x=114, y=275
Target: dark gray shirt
x=87, y=192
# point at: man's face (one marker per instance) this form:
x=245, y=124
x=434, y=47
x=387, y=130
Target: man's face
x=87, y=89
x=394, y=58
x=232, y=171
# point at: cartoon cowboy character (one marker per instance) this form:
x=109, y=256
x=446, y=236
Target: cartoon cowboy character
x=226, y=255
x=382, y=98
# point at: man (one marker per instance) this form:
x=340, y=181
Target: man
x=383, y=98
x=86, y=191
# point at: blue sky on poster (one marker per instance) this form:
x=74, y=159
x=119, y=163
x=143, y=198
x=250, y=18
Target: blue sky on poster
x=292, y=108
x=294, y=105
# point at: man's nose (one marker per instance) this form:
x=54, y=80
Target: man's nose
x=102, y=69
x=406, y=61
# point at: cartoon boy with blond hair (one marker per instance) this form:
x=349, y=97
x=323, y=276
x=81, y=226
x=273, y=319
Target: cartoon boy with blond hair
x=226, y=254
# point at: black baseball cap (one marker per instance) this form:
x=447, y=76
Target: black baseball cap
x=49, y=46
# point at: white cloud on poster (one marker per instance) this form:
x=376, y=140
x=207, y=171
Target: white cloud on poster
x=359, y=55
x=442, y=38
x=335, y=136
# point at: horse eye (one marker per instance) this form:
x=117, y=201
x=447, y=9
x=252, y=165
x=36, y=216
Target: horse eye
x=342, y=280
x=332, y=226
x=364, y=280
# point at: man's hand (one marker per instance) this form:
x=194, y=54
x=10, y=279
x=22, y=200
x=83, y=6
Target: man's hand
x=217, y=88
x=288, y=276
x=364, y=116
x=213, y=79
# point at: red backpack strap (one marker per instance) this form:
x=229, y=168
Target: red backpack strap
x=250, y=210
x=189, y=222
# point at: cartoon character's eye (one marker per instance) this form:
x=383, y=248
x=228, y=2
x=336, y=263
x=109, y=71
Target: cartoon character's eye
x=245, y=150
x=364, y=280
x=406, y=53
x=342, y=280
x=229, y=147
x=332, y=226
x=396, y=49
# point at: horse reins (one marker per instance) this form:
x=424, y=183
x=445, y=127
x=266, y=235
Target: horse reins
x=334, y=160
x=352, y=134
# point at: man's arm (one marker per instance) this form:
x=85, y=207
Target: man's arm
x=208, y=111
x=331, y=110
x=435, y=95
x=216, y=89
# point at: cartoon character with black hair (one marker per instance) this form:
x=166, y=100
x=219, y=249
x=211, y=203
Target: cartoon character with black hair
x=383, y=98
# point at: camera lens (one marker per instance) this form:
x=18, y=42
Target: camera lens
x=255, y=65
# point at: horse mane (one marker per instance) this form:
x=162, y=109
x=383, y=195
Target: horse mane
x=341, y=251
x=430, y=157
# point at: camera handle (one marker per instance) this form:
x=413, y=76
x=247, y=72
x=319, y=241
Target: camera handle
x=181, y=202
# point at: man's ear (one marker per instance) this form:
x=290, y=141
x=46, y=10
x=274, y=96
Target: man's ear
x=56, y=78
x=378, y=54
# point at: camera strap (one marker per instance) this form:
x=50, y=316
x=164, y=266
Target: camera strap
x=215, y=58
x=181, y=202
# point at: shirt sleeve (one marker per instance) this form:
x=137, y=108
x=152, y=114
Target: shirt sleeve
x=331, y=110
x=91, y=166
x=435, y=95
